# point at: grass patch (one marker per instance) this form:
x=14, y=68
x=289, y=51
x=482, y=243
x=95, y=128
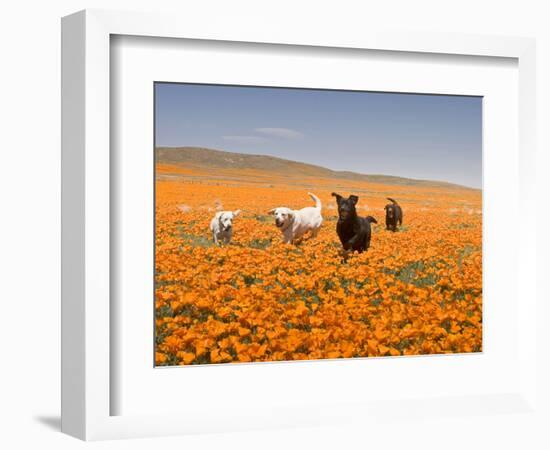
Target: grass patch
x=193, y=239
x=429, y=280
x=171, y=360
x=249, y=280
x=203, y=359
x=260, y=244
x=164, y=311
x=162, y=283
x=460, y=294
x=405, y=343
x=462, y=226
x=464, y=253
x=398, y=229
x=329, y=284
x=263, y=218
x=161, y=334
x=407, y=274
x=197, y=241
x=376, y=301
x=309, y=297
x=298, y=326
x=413, y=273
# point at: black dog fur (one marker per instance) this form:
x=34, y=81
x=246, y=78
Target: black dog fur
x=394, y=214
x=354, y=231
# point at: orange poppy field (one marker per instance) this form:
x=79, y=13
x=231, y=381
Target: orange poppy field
x=415, y=291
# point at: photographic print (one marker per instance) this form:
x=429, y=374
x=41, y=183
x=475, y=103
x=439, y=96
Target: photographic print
x=309, y=224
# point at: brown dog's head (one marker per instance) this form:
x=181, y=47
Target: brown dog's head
x=390, y=211
x=346, y=206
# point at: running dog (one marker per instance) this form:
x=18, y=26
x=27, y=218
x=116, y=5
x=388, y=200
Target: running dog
x=394, y=214
x=221, y=226
x=354, y=231
x=295, y=223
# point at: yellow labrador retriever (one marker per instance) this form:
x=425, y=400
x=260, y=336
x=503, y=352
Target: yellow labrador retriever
x=295, y=223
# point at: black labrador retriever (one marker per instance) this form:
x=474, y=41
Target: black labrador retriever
x=394, y=214
x=354, y=231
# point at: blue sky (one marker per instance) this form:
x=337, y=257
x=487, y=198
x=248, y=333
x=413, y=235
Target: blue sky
x=433, y=137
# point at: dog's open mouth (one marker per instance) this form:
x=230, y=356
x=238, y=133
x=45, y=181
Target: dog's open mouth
x=279, y=224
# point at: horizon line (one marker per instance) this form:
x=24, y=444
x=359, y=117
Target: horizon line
x=323, y=167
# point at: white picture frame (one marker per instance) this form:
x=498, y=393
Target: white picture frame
x=87, y=386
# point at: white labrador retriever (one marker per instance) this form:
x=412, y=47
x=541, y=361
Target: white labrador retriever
x=222, y=226
x=295, y=223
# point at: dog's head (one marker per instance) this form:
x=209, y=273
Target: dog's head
x=283, y=217
x=346, y=206
x=225, y=219
x=390, y=211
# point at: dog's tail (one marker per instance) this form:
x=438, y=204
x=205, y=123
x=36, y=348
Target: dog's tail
x=316, y=200
x=392, y=200
x=371, y=219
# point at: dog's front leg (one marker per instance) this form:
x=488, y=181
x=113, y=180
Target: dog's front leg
x=288, y=238
x=353, y=241
x=315, y=232
x=227, y=238
x=215, y=237
x=350, y=243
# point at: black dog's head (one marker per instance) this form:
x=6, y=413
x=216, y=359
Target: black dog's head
x=390, y=211
x=346, y=206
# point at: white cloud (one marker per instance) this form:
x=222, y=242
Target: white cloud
x=286, y=133
x=245, y=139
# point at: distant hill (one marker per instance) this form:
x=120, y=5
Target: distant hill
x=209, y=158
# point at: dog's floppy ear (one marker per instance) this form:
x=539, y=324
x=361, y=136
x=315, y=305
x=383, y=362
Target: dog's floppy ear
x=272, y=211
x=292, y=215
x=236, y=213
x=354, y=199
x=338, y=196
